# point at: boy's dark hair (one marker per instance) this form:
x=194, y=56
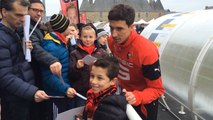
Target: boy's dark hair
x=8, y=4
x=110, y=63
x=36, y=1
x=122, y=12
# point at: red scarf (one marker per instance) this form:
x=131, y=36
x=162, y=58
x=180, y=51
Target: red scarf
x=88, y=49
x=93, y=99
x=61, y=37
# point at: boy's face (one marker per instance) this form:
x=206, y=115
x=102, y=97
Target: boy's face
x=88, y=37
x=99, y=80
x=66, y=32
x=103, y=39
x=73, y=31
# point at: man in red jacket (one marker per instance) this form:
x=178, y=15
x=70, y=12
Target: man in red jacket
x=139, y=73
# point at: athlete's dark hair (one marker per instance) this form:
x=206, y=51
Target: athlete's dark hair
x=122, y=12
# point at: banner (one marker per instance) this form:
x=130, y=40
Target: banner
x=83, y=17
x=70, y=9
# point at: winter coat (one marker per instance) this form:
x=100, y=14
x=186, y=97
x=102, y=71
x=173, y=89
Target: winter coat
x=52, y=85
x=71, y=47
x=112, y=107
x=80, y=77
x=16, y=75
x=39, y=55
x=105, y=105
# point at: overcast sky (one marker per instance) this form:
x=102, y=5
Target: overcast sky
x=53, y=6
x=186, y=5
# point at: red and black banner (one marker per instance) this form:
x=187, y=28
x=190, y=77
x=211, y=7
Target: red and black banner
x=70, y=9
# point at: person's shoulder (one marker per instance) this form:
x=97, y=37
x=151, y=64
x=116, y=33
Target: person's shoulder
x=118, y=100
x=100, y=52
x=142, y=42
x=4, y=29
x=48, y=44
x=76, y=52
x=111, y=107
x=6, y=35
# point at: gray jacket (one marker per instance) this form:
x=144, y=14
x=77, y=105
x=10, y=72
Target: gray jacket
x=38, y=53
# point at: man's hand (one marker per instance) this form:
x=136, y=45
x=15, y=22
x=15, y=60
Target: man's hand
x=71, y=92
x=29, y=44
x=56, y=68
x=40, y=95
x=130, y=97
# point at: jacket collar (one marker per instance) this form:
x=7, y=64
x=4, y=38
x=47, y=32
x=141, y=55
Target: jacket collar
x=53, y=37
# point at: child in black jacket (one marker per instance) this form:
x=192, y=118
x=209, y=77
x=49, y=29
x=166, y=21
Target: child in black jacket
x=102, y=103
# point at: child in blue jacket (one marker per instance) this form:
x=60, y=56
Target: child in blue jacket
x=57, y=87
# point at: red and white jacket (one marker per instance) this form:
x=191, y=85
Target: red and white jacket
x=139, y=68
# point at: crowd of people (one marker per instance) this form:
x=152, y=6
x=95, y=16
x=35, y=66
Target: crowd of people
x=59, y=71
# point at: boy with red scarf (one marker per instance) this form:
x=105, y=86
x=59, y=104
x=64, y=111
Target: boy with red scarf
x=102, y=101
x=79, y=71
x=55, y=44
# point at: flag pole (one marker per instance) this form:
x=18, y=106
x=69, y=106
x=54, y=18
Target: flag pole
x=78, y=11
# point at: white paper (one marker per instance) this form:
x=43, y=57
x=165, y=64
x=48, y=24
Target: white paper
x=73, y=41
x=88, y=59
x=26, y=37
x=131, y=113
x=70, y=114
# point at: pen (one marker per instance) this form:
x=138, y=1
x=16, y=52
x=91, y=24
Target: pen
x=81, y=96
